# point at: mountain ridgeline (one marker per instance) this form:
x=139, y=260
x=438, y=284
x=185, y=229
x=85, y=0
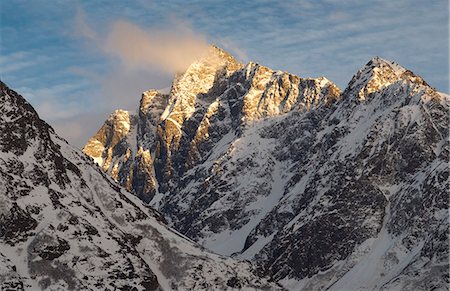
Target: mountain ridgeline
x=322, y=188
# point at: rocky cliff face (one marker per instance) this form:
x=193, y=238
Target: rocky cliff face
x=65, y=225
x=124, y=145
x=323, y=189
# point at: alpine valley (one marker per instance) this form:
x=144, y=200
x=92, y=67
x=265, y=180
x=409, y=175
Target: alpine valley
x=239, y=177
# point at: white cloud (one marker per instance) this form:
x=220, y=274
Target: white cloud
x=171, y=49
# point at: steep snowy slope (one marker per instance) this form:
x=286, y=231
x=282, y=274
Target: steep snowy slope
x=323, y=189
x=368, y=192
x=65, y=225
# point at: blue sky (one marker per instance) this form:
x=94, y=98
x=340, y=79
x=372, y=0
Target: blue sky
x=73, y=84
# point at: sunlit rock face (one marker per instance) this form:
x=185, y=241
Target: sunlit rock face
x=269, y=93
x=65, y=225
x=379, y=73
x=312, y=183
x=123, y=146
x=109, y=137
x=192, y=95
x=208, y=102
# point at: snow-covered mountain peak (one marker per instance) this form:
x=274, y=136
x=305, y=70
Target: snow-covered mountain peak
x=216, y=59
x=203, y=78
x=381, y=62
x=223, y=57
x=380, y=73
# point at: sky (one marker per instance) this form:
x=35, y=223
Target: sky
x=77, y=61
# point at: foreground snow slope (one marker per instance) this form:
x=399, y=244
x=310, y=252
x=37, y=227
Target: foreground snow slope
x=65, y=225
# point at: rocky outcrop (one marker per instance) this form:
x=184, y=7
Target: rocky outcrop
x=269, y=93
x=124, y=145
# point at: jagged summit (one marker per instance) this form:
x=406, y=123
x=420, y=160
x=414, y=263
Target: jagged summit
x=378, y=61
x=222, y=54
x=200, y=76
x=214, y=59
x=379, y=73
x=115, y=128
x=271, y=93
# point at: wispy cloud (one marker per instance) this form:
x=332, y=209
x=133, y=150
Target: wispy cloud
x=19, y=61
x=171, y=49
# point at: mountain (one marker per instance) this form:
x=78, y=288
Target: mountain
x=322, y=188
x=65, y=225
